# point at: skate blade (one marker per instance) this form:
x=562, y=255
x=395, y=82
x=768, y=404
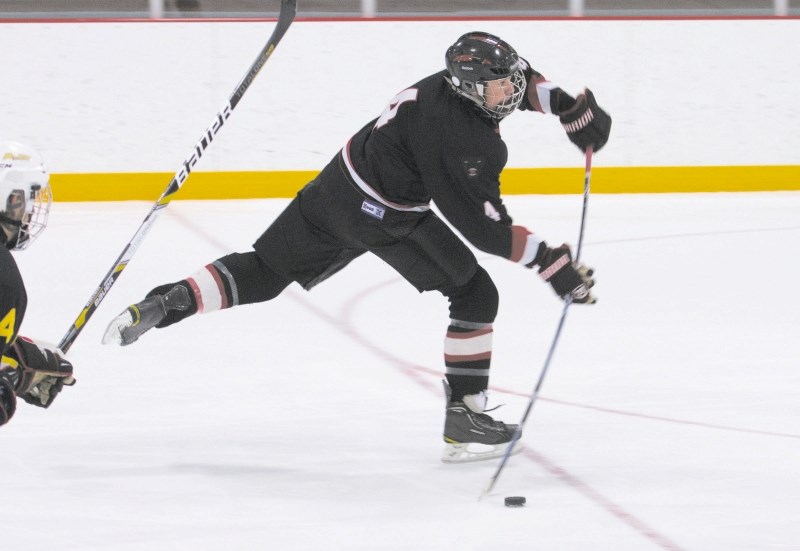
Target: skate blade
x=113, y=334
x=468, y=453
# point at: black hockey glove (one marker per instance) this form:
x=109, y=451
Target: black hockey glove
x=8, y=402
x=586, y=124
x=568, y=278
x=41, y=373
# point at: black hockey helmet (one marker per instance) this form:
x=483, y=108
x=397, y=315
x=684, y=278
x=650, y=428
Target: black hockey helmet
x=477, y=58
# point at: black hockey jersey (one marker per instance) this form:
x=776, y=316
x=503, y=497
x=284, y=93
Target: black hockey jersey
x=13, y=300
x=430, y=144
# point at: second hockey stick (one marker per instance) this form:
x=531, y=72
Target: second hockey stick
x=518, y=433
x=285, y=18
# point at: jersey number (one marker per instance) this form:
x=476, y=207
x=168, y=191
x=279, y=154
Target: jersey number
x=7, y=325
x=391, y=110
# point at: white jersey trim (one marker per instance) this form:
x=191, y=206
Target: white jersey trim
x=543, y=91
x=366, y=188
x=532, y=243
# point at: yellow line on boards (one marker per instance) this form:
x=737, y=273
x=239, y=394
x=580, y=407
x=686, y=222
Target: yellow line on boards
x=672, y=179
x=148, y=186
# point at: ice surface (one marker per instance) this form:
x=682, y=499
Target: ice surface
x=669, y=420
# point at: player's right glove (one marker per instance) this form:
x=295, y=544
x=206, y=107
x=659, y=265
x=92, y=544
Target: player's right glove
x=8, y=401
x=568, y=278
x=41, y=372
x=586, y=123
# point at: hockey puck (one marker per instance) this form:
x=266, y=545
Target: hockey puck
x=515, y=501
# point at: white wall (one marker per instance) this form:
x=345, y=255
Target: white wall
x=135, y=96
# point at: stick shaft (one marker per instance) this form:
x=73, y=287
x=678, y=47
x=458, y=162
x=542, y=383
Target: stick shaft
x=535, y=394
x=587, y=182
x=287, y=14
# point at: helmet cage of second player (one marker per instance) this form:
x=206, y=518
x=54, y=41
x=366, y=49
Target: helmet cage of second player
x=36, y=213
x=25, y=194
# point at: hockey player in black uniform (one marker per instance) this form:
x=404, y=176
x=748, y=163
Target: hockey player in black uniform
x=439, y=141
x=28, y=370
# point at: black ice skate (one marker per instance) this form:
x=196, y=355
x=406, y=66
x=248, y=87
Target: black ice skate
x=143, y=316
x=472, y=435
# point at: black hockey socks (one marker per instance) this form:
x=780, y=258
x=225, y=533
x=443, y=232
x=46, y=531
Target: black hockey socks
x=248, y=279
x=239, y=278
x=468, y=343
x=467, y=357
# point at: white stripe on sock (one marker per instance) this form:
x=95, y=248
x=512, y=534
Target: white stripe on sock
x=467, y=346
x=210, y=293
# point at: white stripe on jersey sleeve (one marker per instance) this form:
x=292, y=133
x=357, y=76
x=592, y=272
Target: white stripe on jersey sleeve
x=543, y=92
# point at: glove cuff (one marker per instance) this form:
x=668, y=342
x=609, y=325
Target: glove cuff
x=540, y=253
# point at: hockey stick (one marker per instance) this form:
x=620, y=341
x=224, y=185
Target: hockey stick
x=285, y=18
x=518, y=433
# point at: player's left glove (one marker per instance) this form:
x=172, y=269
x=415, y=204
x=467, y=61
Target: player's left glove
x=41, y=372
x=568, y=278
x=586, y=123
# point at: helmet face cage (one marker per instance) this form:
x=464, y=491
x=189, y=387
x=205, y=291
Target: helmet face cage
x=511, y=102
x=37, y=211
x=477, y=59
x=25, y=195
